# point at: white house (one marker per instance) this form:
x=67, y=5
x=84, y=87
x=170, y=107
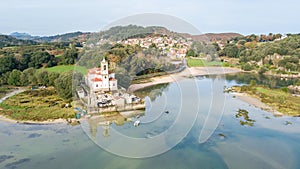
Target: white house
x=101, y=79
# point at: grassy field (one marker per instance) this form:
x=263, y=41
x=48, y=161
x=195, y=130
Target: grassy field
x=66, y=68
x=198, y=62
x=36, y=105
x=278, y=99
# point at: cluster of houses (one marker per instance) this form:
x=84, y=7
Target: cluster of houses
x=175, y=48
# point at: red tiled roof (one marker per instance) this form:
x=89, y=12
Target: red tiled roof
x=96, y=79
x=94, y=70
x=112, y=79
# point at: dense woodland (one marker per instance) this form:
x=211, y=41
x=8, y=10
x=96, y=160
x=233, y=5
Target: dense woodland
x=265, y=52
x=262, y=53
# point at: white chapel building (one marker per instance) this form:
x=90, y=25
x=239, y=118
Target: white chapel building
x=101, y=79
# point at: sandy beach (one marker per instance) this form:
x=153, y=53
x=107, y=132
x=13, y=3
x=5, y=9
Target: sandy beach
x=5, y=119
x=257, y=103
x=188, y=72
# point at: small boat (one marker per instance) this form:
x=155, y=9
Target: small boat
x=136, y=123
x=167, y=112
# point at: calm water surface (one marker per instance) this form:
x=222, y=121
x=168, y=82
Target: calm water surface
x=270, y=143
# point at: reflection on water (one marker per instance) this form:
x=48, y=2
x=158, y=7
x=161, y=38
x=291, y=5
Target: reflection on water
x=270, y=143
x=152, y=91
x=104, y=122
x=270, y=81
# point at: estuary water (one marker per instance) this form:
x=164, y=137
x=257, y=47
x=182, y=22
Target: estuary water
x=198, y=122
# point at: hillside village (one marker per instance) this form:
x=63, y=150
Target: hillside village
x=175, y=48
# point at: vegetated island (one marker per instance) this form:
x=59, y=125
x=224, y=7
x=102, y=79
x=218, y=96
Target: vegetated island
x=278, y=101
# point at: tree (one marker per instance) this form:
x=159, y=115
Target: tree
x=30, y=75
x=7, y=63
x=4, y=78
x=52, y=76
x=247, y=67
x=153, y=45
x=22, y=62
x=231, y=50
x=191, y=52
x=63, y=85
x=39, y=59
x=252, y=83
x=23, y=79
x=14, y=78
x=70, y=56
x=42, y=78
x=216, y=46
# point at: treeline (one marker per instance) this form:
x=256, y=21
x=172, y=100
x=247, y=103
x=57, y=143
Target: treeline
x=201, y=48
x=281, y=55
x=35, y=56
x=32, y=77
x=6, y=41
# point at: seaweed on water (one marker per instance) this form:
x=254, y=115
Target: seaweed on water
x=5, y=157
x=52, y=158
x=15, y=164
x=62, y=131
x=34, y=135
x=288, y=123
x=66, y=140
x=247, y=121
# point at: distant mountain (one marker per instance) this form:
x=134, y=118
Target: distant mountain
x=6, y=40
x=76, y=36
x=212, y=36
x=24, y=36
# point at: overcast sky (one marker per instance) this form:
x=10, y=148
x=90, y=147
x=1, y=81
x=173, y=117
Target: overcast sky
x=50, y=17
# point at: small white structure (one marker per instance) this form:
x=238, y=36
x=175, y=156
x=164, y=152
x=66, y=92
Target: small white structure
x=136, y=123
x=101, y=79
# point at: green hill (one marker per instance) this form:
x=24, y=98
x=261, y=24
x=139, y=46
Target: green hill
x=6, y=40
x=67, y=37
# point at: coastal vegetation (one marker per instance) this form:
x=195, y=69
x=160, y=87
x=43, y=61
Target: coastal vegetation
x=36, y=105
x=279, y=99
x=271, y=53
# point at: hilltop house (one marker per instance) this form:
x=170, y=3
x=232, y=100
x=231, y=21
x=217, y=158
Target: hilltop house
x=101, y=80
